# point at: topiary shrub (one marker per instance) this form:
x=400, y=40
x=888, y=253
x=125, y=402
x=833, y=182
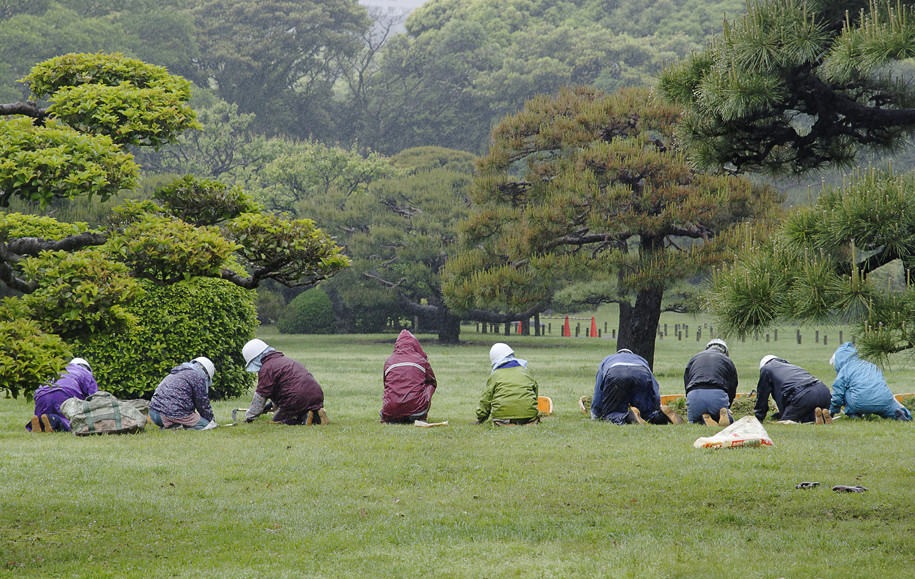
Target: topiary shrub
x=177, y=323
x=309, y=313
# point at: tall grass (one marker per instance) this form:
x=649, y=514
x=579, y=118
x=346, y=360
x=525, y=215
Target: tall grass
x=567, y=497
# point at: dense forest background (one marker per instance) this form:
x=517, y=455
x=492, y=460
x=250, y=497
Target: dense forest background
x=337, y=71
x=365, y=117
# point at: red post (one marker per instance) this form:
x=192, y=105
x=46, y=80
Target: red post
x=593, y=327
x=566, y=330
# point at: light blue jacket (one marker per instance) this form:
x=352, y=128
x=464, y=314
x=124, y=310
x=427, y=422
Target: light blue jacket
x=860, y=386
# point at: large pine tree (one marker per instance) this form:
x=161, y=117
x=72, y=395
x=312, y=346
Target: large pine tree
x=590, y=187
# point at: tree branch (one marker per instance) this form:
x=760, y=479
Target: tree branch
x=384, y=282
x=8, y=276
x=32, y=246
x=27, y=109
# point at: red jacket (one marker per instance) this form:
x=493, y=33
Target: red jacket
x=288, y=384
x=408, y=379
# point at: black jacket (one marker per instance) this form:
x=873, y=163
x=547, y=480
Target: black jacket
x=782, y=381
x=711, y=370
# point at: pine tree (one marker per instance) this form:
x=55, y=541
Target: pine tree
x=591, y=188
x=796, y=85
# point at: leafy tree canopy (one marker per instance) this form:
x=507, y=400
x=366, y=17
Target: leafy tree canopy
x=482, y=59
x=158, y=31
x=796, y=85
x=78, y=282
x=278, y=56
x=589, y=186
x=45, y=153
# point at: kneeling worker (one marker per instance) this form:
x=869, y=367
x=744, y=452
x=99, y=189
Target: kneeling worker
x=287, y=383
x=76, y=381
x=510, y=396
x=711, y=385
x=182, y=398
x=799, y=396
x=408, y=382
x=626, y=392
x=861, y=388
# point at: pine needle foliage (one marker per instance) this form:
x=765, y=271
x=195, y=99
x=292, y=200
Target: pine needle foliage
x=796, y=85
x=588, y=184
x=828, y=262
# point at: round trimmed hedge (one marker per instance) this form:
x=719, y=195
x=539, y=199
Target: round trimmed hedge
x=309, y=313
x=177, y=323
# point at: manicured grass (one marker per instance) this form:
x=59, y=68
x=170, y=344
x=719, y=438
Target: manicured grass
x=567, y=497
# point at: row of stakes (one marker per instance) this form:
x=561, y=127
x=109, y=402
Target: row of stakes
x=680, y=331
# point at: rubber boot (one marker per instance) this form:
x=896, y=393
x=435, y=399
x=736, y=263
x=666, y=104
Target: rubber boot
x=637, y=415
x=671, y=415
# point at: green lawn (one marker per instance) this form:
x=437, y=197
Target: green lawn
x=567, y=497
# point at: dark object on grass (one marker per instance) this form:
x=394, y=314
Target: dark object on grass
x=849, y=489
x=806, y=485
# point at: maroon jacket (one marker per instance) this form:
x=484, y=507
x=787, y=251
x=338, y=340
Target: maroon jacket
x=408, y=380
x=289, y=385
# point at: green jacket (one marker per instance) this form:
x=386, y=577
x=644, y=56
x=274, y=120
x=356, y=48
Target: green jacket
x=510, y=393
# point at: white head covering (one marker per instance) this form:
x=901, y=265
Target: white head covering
x=624, y=351
x=207, y=365
x=719, y=344
x=81, y=362
x=832, y=360
x=500, y=353
x=766, y=359
x=253, y=349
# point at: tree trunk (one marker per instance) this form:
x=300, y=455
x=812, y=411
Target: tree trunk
x=342, y=314
x=639, y=324
x=449, y=326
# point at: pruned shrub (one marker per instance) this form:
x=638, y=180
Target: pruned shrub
x=200, y=317
x=309, y=313
x=28, y=356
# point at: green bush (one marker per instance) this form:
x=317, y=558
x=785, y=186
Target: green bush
x=201, y=317
x=28, y=356
x=309, y=313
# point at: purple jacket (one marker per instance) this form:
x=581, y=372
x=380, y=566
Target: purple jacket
x=74, y=382
x=408, y=379
x=182, y=392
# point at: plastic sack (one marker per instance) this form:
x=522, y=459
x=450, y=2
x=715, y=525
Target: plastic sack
x=745, y=432
x=102, y=413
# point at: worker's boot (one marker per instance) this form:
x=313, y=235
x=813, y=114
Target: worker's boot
x=818, y=413
x=637, y=415
x=36, y=424
x=46, y=423
x=708, y=420
x=322, y=417
x=671, y=415
x=827, y=417
x=310, y=418
x=724, y=418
